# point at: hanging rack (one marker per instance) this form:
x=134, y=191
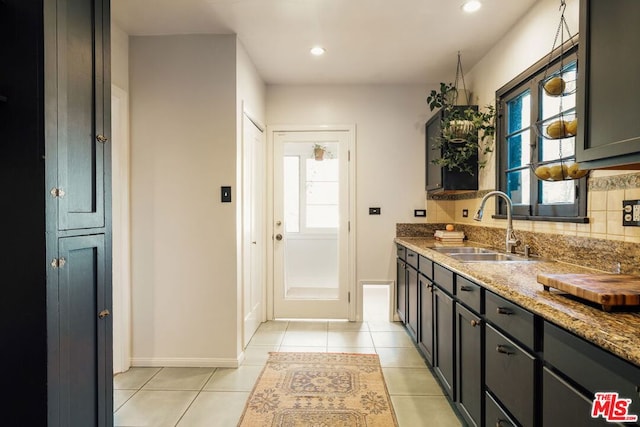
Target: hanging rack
x=561, y=126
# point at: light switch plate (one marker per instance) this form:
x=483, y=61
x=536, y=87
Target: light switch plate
x=419, y=212
x=225, y=194
x=374, y=211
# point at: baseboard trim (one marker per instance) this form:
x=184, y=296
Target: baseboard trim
x=187, y=362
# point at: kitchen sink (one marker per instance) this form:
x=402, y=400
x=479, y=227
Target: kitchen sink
x=476, y=254
x=488, y=257
x=463, y=250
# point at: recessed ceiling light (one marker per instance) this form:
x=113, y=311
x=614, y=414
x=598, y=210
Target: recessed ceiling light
x=471, y=6
x=317, y=51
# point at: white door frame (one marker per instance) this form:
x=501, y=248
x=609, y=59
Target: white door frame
x=352, y=285
x=121, y=179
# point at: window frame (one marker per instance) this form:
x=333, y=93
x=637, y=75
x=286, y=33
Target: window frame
x=529, y=80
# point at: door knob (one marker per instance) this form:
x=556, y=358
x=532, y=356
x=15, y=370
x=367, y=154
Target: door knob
x=278, y=236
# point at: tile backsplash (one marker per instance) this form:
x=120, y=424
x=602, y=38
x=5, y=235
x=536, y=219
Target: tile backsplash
x=599, y=254
x=604, y=209
x=601, y=243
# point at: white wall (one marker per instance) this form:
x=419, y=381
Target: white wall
x=119, y=57
x=183, y=140
x=390, y=155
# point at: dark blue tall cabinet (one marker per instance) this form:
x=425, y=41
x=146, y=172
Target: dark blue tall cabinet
x=55, y=311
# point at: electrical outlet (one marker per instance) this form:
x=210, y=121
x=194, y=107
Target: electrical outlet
x=631, y=213
x=465, y=213
x=374, y=211
x=419, y=212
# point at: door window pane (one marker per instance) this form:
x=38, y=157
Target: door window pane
x=292, y=194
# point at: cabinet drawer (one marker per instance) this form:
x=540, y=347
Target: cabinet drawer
x=443, y=278
x=590, y=366
x=469, y=293
x=509, y=374
x=412, y=258
x=401, y=252
x=494, y=415
x=425, y=266
x=562, y=405
x=511, y=318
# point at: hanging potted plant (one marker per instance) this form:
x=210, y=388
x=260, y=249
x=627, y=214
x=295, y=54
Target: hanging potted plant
x=318, y=151
x=466, y=131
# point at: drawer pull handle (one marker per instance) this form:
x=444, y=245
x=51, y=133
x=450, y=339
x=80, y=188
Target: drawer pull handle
x=505, y=311
x=466, y=288
x=411, y=255
x=474, y=323
x=501, y=423
x=504, y=350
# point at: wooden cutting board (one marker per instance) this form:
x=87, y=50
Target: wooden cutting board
x=609, y=290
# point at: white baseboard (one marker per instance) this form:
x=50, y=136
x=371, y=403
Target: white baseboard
x=195, y=362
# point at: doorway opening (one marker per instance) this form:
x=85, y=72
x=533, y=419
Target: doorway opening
x=376, y=302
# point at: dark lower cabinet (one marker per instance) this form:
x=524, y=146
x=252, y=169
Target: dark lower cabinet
x=468, y=339
x=85, y=384
x=412, y=302
x=443, y=359
x=401, y=290
x=563, y=405
x=495, y=415
x=425, y=341
x=510, y=376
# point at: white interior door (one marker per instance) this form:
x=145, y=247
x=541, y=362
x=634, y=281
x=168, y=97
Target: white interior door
x=253, y=226
x=311, y=259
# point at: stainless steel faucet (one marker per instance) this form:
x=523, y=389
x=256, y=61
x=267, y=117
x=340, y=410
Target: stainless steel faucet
x=511, y=240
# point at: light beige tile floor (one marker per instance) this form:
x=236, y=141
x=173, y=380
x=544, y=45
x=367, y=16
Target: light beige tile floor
x=212, y=397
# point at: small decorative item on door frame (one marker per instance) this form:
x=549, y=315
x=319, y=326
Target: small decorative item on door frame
x=319, y=151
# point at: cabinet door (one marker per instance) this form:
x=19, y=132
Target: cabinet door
x=426, y=318
x=412, y=302
x=82, y=112
x=608, y=92
x=510, y=375
x=563, y=405
x=84, y=351
x=469, y=365
x=401, y=290
x=444, y=340
x=433, y=172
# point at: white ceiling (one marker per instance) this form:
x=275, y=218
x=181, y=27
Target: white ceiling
x=367, y=41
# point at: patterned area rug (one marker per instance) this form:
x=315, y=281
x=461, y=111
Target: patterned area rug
x=320, y=389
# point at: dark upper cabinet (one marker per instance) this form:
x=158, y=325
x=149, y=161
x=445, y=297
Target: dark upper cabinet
x=441, y=179
x=608, y=88
x=82, y=112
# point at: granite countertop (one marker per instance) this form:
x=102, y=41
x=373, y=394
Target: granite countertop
x=617, y=332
